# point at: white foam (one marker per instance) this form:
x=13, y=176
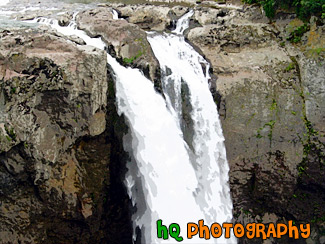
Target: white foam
x=4, y=2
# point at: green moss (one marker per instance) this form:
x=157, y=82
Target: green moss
x=301, y=169
x=132, y=59
x=11, y=134
x=269, y=124
x=318, y=220
x=274, y=105
x=140, y=42
x=291, y=66
x=128, y=60
x=13, y=90
x=309, y=140
x=250, y=119
x=258, y=135
x=303, y=8
x=296, y=34
x=316, y=51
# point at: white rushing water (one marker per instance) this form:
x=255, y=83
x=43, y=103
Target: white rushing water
x=115, y=14
x=183, y=23
x=168, y=179
x=4, y=2
x=182, y=66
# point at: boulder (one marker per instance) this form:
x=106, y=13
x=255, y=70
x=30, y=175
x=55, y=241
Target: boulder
x=126, y=41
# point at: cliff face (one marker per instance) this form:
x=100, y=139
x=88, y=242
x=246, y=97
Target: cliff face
x=60, y=153
x=61, y=156
x=270, y=96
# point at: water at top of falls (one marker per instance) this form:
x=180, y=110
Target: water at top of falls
x=115, y=14
x=4, y=2
x=70, y=30
x=162, y=181
x=183, y=23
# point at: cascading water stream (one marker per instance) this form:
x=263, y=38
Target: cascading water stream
x=181, y=67
x=169, y=179
x=183, y=23
x=4, y=2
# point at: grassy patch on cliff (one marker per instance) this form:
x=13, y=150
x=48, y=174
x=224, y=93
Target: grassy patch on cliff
x=303, y=8
x=132, y=59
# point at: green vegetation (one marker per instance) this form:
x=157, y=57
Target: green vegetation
x=316, y=51
x=316, y=220
x=131, y=60
x=11, y=134
x=296, y=35
x=13, y=90
x=303, y=8
x=250, y=119
x=274, y=110
x=312, y=146
x=270, y=124
x=274, y=105
x=141, y=52
x=290, y=66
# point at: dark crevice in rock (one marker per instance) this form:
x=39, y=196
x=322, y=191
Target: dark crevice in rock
x=158, y=82
x=187, y=123
x=119, y=203
x=172, y=25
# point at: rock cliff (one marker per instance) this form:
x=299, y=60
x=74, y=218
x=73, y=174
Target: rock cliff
x=270, y=94
x=59, y=143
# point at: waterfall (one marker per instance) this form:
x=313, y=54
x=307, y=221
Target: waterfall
x=4, y=2
x=181, y=66
x=170, y=178
x=183, y=23
x=115, y=14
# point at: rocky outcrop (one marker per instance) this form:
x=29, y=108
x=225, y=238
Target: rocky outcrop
x=151, y=17
x=127, y=42
x=59, y=143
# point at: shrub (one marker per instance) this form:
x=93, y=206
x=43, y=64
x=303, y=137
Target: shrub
x=296, y=35
x=303, y=8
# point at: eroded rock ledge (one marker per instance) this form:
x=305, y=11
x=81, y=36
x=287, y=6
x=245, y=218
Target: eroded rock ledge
x=127, y=42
